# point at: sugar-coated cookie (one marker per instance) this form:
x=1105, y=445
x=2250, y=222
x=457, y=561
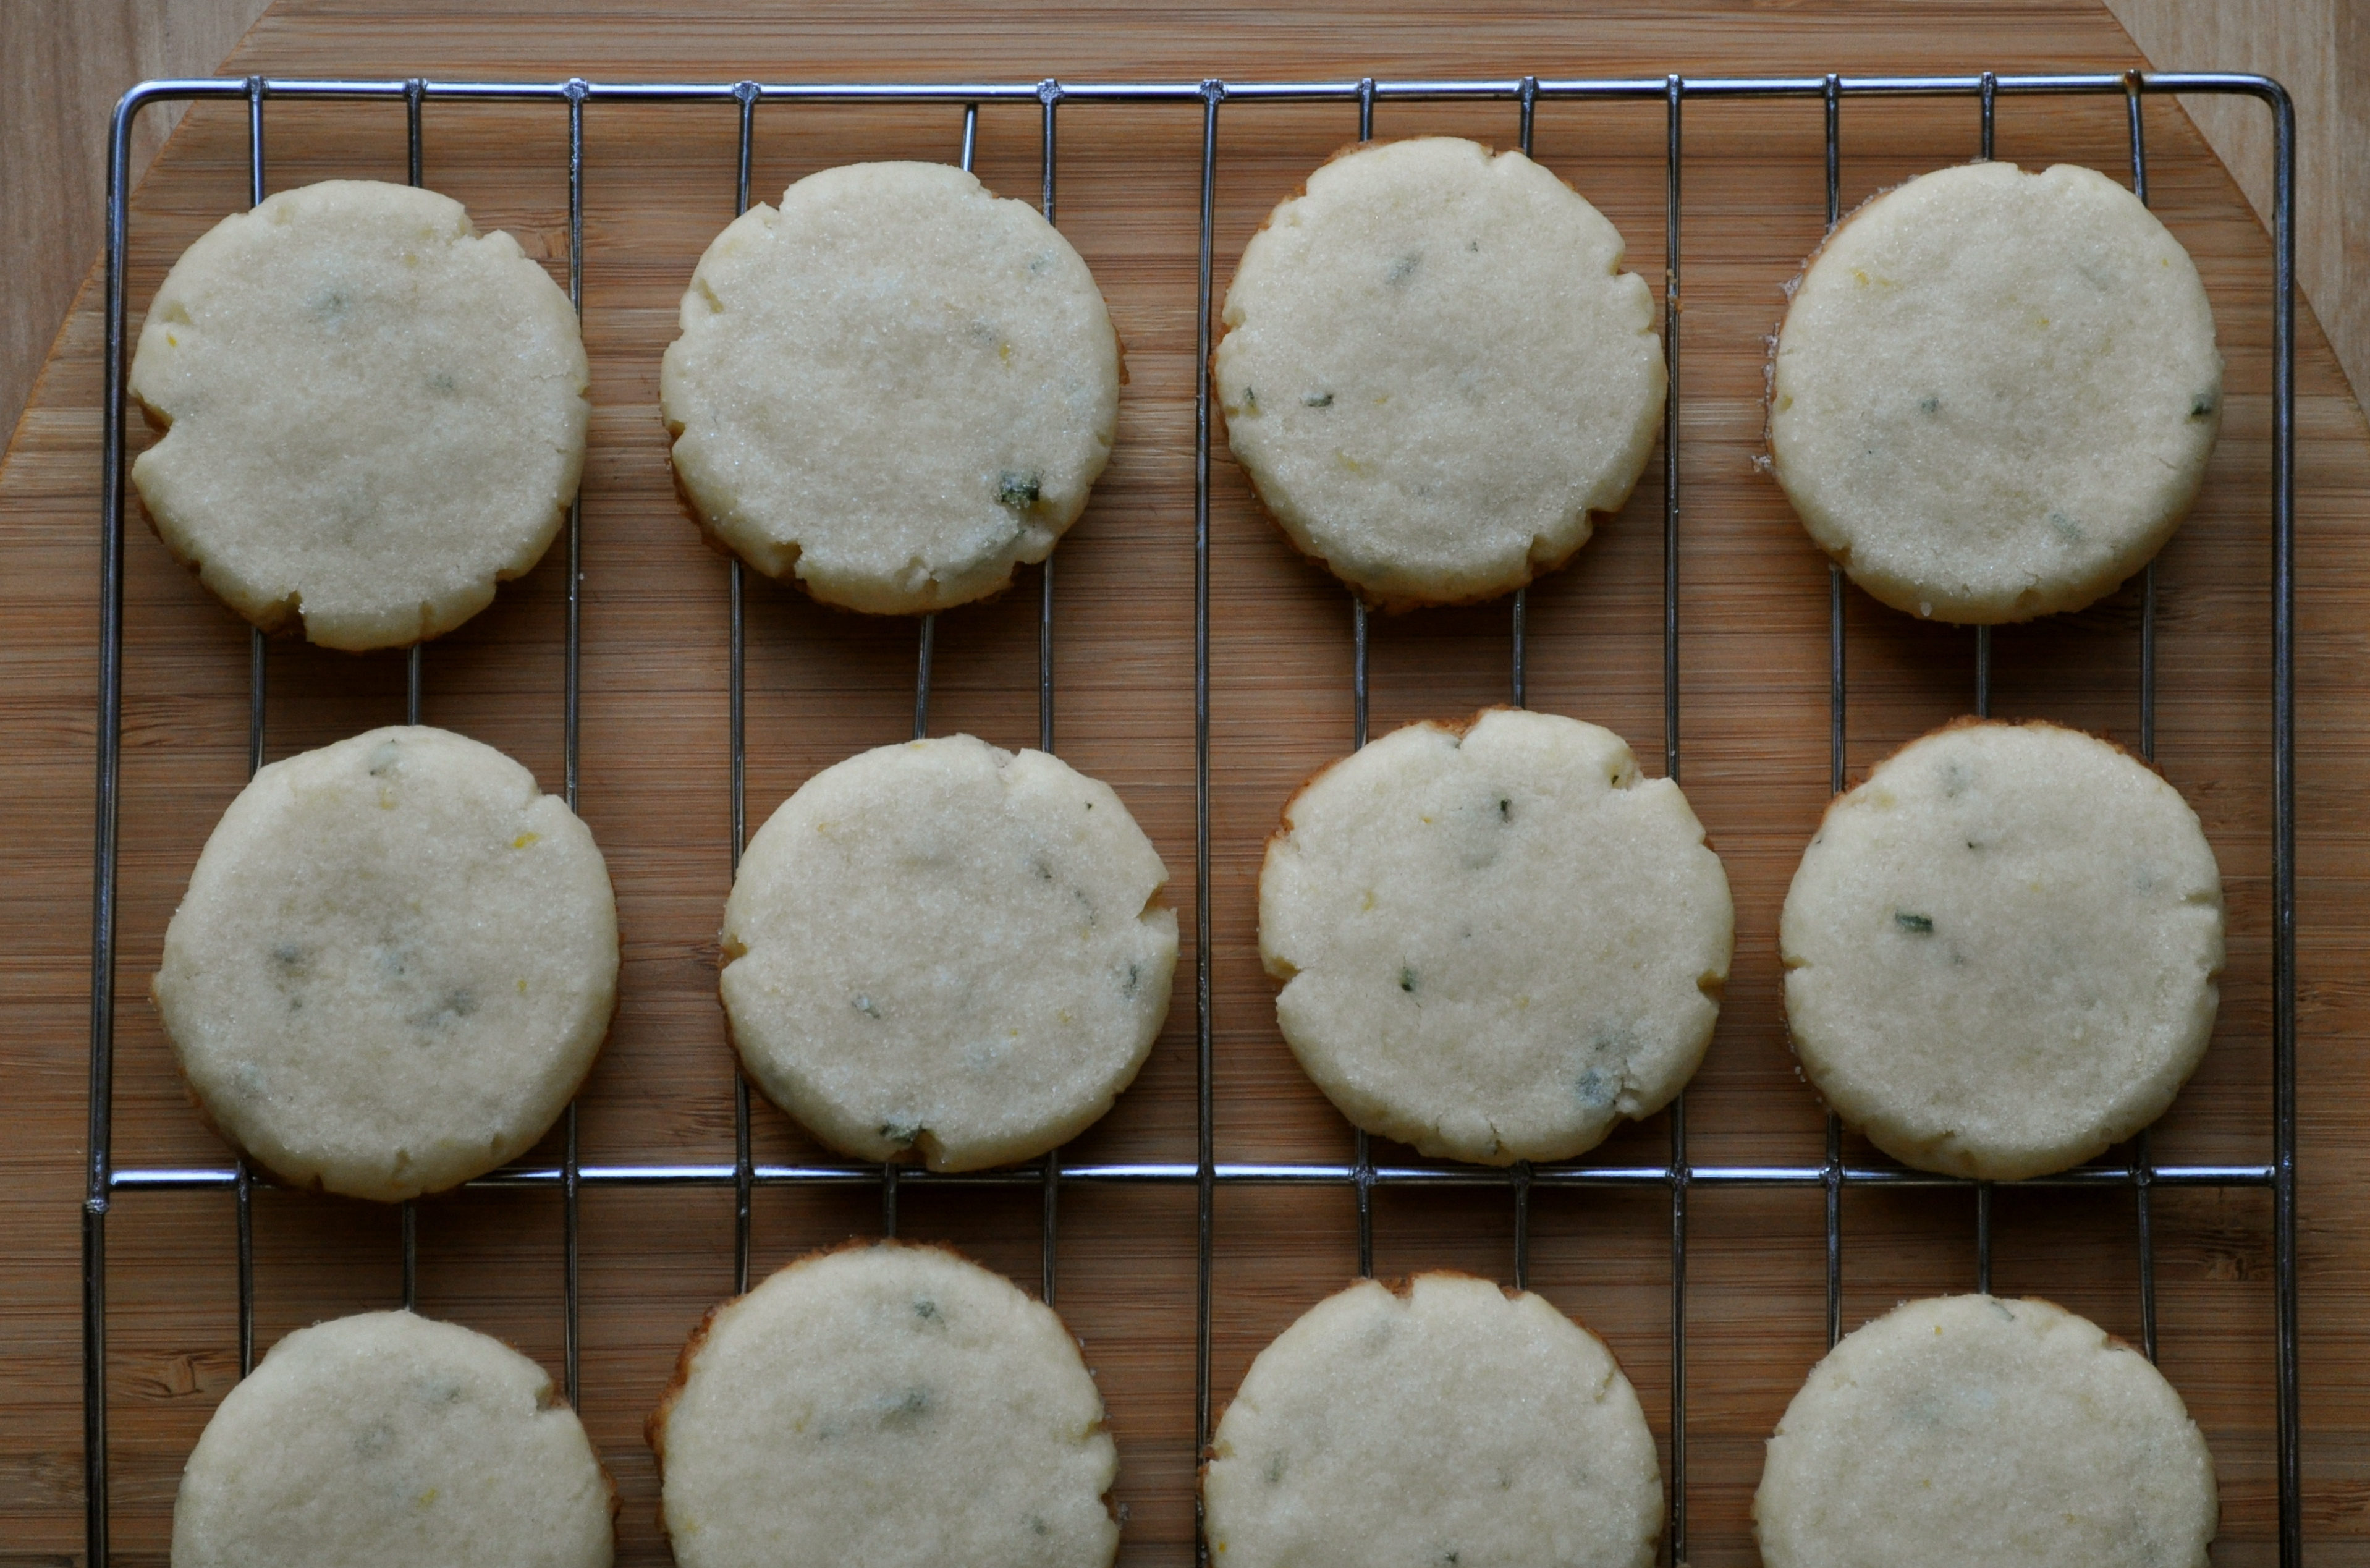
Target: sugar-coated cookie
x=1435, y=370
x=393, y=1441
x=372, y=412
x=1448, y=1423
x=892, y=388
x=1994, y=392
x=395, y=964
x=889, y=1405
x=946, y=947
x=2001, y=950
x=1495, y=940
x=1969, y=1430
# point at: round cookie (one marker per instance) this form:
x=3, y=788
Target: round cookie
x=1994, y=392
x=889, y=1405
x=944, y=946
x=372, y=412
x=1496, y=939
x=391, y=1441
x=893, y=389
x=2000, y=950
x=395, y=964
x=1452, y=1423
x=1969, y=1430
x=1435, y=370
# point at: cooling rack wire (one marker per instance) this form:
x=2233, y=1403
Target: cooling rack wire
x=1677, y=1175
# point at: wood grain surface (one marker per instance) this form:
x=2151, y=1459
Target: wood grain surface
x=2318, y=49
x=62, y=65
x=1753, y=747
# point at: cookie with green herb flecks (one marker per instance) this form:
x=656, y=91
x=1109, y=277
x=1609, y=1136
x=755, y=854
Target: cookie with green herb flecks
x=1449, y=1423
x=2001, y=950
x=1435, y=370
x=372, y=414
x=892, y=388
x=1496, y=939
x=387, y=1440
x=945, y=947
x=1968, y=1431
x=888, y=1405
x=1994, y=392
x=394, y=965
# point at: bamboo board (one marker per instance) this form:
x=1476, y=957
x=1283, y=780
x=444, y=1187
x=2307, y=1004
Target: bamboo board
x=1754, y=734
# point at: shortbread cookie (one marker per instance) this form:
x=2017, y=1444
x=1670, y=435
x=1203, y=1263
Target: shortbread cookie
x=945, y=947
x=1968, y=1431
x=888, y=1405
x=395, y=962
x=2001, y=950
x=1435, y=370
x=893, y=389
x=1451, y=1423
x=1994, y=392
x=391, y=1441
x=374, y=413
x=1496, y=940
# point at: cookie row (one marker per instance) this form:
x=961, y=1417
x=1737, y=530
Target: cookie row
x=1993, y=395
x=397, y=959
x=899, y=1407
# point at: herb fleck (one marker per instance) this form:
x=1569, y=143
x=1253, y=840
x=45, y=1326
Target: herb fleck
x=1015, y=490
x=900, y=1130
x=1916, y=924
x=1318, y=399
x=2066, y=526
x=1929, y=404
x=1506, y=811
x=896, y=1408
x=1134, y=978
x=1401, y=270
x=866, y=1005
x=2200, y=405
x=924, y=1308
x=1407, y=979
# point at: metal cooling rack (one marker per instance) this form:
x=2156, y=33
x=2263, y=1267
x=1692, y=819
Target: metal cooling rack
x=1677, y=1176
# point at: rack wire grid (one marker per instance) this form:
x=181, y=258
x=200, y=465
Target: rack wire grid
x=1678, y=1176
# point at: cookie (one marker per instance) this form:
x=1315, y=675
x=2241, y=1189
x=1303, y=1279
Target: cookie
x=893, y=389
x=1968, y=1431
x=2001, y=950
x=1994, y=392
x=372, y=414
x=1435, y=370
x=394, y=965
x=944, y=947
x=392, y=1441
x=889, y=1405
x=1496, y=939
x=1449, y=1423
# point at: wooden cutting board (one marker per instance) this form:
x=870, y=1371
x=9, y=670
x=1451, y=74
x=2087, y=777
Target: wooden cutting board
x=659, y=183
